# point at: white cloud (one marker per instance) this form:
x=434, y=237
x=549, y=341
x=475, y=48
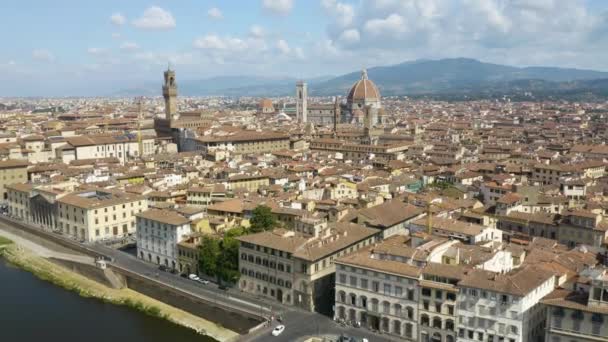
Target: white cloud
x=299, y=53
x=289, y=52
x=118, y=19
x=43, y=55
x=129, y=46
x=343, y=13
x=257, y=31
x=215, y=13
x=490, y=10
x=8, y=64
x=96, y=51
x=116, y=35
x=155, y=58
x=393, y=24
x=215, y=42
x=283, y=47
x=350, y=36
x=282, y=7
x=155, y=18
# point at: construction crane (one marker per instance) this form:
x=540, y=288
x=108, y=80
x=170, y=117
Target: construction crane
x=140, y=119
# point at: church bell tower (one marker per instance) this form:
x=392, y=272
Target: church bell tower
x=301, y=101
x=170, y=95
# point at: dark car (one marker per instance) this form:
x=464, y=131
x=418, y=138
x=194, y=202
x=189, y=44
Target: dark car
x=223, y=287
x=163, y=268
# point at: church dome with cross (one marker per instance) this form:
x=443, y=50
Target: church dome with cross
x=363, y=93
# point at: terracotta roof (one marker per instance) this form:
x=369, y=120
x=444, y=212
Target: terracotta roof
x=342, y=236
x=363, y=259
x=363, y=89
x=572, y=300
x=519, y=282
x=13, y=163
x=451, y=225
x=100, y=198
x=164, y=216
x=390, y=213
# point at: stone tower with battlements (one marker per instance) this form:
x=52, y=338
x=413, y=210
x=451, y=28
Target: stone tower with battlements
x=170, y=95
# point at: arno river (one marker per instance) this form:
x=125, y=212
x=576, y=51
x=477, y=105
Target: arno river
x=32, y=310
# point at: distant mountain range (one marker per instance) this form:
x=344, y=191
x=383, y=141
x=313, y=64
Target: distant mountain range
x=457, y=78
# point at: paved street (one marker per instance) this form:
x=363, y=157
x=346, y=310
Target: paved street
x=299, y=323
x=40, y=248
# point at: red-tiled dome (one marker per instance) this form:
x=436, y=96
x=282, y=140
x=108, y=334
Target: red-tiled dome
x=363, y=89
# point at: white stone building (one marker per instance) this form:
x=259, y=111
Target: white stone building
x=503, y=307
x=158, y=233
x=380, y=294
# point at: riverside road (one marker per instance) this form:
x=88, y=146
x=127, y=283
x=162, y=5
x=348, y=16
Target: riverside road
x=299, y=323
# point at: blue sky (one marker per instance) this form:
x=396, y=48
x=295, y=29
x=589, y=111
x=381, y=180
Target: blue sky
x=70, y=47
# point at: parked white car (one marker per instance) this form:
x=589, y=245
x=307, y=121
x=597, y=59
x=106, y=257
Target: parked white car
x=194, y=277
x=278, y=330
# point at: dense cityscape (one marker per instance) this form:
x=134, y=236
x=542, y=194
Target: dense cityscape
x=319, y=215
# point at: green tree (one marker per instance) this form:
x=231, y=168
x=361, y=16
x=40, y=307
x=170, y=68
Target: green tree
x=262, y=219
x=209, y=253
x=229, y=256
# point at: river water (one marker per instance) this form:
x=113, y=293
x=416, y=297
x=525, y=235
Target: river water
x=32, y=310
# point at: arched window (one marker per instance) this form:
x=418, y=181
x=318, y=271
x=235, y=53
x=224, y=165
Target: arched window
x=396, y=327
x=363, y=301
x=449, y=325
x=374, y=305
x=341, y=297
x=386, y=307
x=353, y=299
x=424, y=320
x=397, y=310
x=437, y=322
x=409, y=312
x=409, y=330
x=385, y=324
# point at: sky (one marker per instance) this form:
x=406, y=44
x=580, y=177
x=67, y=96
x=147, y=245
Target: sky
x=78, y=47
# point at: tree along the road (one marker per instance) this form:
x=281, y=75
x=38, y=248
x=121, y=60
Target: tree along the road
x=209, y=253
x=220, y=257
x=229, y=255
x=262, y=219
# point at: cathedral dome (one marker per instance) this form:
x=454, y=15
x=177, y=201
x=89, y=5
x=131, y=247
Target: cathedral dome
x=363, y=91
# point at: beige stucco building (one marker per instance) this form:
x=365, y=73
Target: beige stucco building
x=243, y=142
x=94, y=215
x=296, y=267
x=12, y=171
